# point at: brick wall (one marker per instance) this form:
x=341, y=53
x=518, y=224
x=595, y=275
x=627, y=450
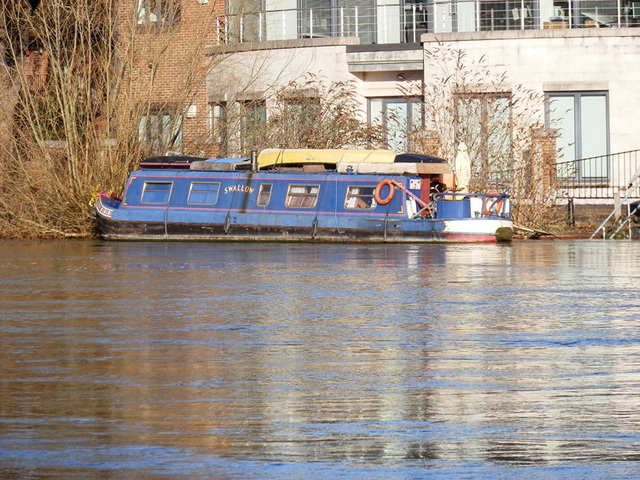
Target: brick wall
x=167, y=63
x=544, y=142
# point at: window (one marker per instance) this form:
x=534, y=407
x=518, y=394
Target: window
x=157, y=193
x=246, y=23
x=415, y=20
x=158, y=13
x=254, y=120
x=161, y=130
x=400, y=117
x=295, y=117
x=582, y=121
x=302, y=196
x=360, y=197
x=483, y=122
x=302, y=105
x=219, y=123
x=506, y=15
x=338, y=18
x=203, y=193
x=264, y=195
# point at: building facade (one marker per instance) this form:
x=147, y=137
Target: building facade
x=582, y=56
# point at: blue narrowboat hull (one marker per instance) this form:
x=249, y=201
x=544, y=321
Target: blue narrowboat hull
x=174, y=204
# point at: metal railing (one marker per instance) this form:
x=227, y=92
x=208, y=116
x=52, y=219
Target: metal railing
x=406, y=22
x=603, y=177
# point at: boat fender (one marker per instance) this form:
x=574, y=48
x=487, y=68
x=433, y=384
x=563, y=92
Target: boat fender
x=387, y=199
x=492, y=205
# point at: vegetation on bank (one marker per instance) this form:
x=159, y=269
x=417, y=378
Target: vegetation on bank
x=75, y=95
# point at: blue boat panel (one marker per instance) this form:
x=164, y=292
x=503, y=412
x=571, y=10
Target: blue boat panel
x=453, y=208
x=300, y=206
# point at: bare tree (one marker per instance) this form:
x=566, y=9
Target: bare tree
x=501, y=124
x=86, y=99
x=313, y=112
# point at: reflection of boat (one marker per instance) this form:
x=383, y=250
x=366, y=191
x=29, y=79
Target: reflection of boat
x=302, y=195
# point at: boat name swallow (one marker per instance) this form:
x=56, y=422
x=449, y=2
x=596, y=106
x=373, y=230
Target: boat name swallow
x=239, y=188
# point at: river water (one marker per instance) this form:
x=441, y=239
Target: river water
x=287, y=361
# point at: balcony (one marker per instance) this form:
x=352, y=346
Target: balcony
x=374, y=23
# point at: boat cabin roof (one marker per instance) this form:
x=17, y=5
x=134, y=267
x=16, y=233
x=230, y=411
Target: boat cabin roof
x=342, y=161
x=222, y=164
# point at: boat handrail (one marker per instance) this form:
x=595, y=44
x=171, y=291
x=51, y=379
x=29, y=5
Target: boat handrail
x=485, y=195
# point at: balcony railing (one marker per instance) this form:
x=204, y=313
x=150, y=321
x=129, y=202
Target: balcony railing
x=406, y=22
x=601, y=177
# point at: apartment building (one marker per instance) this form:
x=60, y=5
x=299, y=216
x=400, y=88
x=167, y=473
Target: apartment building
x=583, y=56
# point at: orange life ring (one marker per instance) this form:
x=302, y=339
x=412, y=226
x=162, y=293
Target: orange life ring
x=387, y=199
x=492, y=205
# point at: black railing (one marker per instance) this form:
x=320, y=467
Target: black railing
x=602, y=177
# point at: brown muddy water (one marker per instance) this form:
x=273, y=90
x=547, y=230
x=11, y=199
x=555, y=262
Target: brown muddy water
x=285, y=361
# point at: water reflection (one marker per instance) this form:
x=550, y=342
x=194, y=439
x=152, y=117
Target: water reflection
x=137, y=360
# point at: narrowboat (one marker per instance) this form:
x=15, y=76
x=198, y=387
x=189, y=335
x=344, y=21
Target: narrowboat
x=302, y=195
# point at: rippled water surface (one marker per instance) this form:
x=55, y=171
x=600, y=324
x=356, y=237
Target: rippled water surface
x=285, y=361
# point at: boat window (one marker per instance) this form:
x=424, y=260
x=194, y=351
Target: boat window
x=264, y=195
x=304, y=196
x=156, y=192
x=360, y=197
x=203, y=193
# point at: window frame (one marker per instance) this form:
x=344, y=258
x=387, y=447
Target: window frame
x=253, y=122
x=145, y=189
x=303, y=196
x=486, y=106
x=220, y=131
x=387, y=115
x=261, y=190
x=168, y=136
x=167, y=13
x=578, y=143
x=355, y=197
x=205, y=192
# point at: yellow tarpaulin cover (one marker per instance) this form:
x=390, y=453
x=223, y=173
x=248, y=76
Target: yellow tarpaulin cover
x=271, y=157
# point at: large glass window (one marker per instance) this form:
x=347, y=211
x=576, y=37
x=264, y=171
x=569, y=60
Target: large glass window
x=582, y=122
x=483, y=123
x=415, y=20
x=246, y=23
x=158, y=13
x=161, y=130
x=219, y=124
x=337, y=18
x=254, y=120
x=399, y=117
x=506, y=15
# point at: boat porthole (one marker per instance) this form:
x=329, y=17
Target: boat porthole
x=387, y=199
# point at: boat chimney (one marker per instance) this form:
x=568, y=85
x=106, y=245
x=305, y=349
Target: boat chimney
x=254, y=160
